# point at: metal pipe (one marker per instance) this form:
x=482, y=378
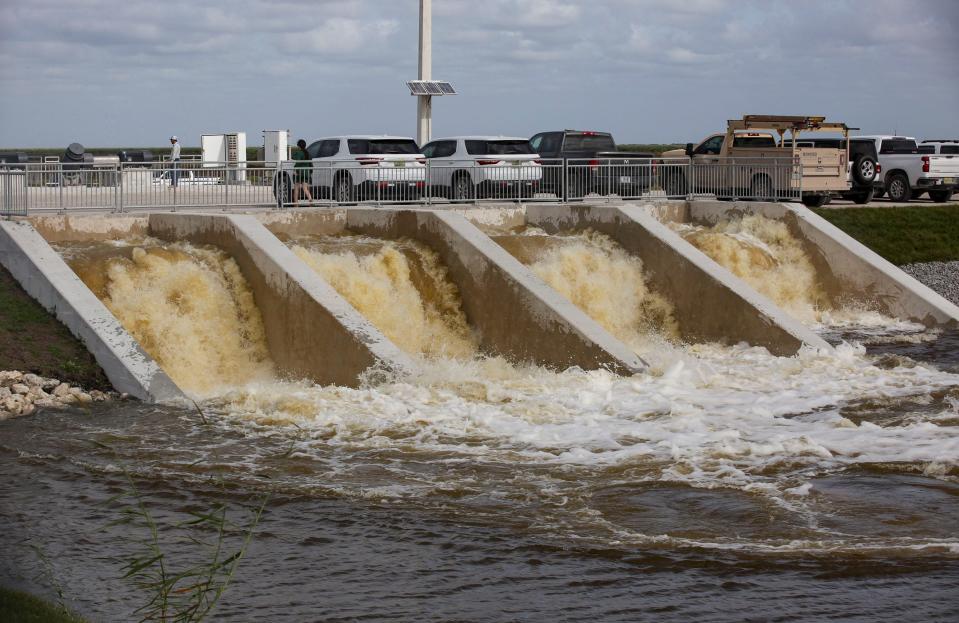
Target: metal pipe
x=424, y=103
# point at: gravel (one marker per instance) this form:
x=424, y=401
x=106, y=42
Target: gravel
x=943, y=277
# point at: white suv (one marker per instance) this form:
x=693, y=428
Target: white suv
x=466, y=167
x=351, y=168
x=940, y=146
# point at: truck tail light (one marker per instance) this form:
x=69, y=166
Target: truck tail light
x=485, y=162
x=421, y=160
x=593, y=164
x=366, y=161
x=878, y=168
x=925, y=164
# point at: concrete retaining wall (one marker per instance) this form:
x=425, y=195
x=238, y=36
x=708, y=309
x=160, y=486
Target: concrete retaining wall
x=710, y=303
x=848, y=270
x=311, y=330
x=67, y=227
x=291, y=222
x=47, y=278
x=515, y=313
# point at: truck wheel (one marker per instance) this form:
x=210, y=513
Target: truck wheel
x=815, y=201
x=283, y=189
x=898, y=188
x=864, y=170
x=343, y=189
x=864, y=197
x=940, y=196
x=462, y=188
x=761, y=188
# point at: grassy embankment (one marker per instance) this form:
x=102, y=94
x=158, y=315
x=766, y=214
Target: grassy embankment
x=902, y=235
x=20, y=607
x=31, y=340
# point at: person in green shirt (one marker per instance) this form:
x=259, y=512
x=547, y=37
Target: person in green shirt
x=302, y=172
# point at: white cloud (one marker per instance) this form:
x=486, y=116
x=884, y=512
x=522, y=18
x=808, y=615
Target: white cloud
x=340, y=35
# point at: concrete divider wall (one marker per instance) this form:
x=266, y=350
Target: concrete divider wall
x=47, y=278
x=710, y=303
x=311, y=330
x=515, y=313
x=68, y=227
x=291, y=222
x=847, y=269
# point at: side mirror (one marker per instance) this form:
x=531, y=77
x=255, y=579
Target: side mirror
x=689, y=149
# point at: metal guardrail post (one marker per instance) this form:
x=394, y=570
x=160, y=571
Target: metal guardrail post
x=428, y=184
x=116, y=189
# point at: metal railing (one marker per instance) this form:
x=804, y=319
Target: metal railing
x=63, y=187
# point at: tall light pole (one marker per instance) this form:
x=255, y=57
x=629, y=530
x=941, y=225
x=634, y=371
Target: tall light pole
x=424, y=103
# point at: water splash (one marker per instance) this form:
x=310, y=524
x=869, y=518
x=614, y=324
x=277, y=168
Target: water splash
x=188, y=306
x=401, y=287
x=602, y=279
x=763, y=253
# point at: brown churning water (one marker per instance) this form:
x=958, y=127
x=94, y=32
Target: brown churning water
x=188, y=306
x=695, y=490
x=401, y=287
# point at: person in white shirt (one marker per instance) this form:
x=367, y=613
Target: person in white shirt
x=175, y=159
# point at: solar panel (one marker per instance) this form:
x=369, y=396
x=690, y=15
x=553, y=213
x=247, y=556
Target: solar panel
x=417, y=88
x=430, y=87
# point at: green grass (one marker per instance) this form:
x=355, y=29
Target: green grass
x=20, y=607
x=902, y=235
x=32, y=340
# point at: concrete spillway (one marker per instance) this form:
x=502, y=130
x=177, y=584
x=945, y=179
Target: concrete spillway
x=47, y=278
x=295, y=323
x=308, y=330
x=709, y=303
x=844, y=273
x=513, y=312
x=311, y=331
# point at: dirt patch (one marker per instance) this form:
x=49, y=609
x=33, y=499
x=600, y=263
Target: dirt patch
x=31, y=340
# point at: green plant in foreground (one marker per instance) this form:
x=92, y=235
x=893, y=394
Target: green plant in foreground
x=21, y=607
x=48, y=573
x=190, y=594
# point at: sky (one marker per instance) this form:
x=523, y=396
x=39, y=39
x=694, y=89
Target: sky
x=132, y=72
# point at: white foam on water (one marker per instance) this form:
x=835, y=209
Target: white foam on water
x=713, y=417
x=704, y=416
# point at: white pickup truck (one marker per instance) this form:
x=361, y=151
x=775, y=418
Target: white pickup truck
x=186, y=177
x=905, y=173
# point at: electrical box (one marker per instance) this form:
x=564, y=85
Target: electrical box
x=276, y=146
x=225, y=151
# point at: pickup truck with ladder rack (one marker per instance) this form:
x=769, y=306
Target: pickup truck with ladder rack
x=742, y=159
